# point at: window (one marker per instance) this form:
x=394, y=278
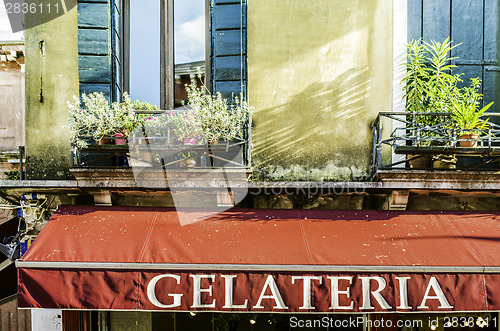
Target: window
x=166, y=46
x=475, y=25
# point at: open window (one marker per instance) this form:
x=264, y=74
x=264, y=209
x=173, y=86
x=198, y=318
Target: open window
x=165, y=46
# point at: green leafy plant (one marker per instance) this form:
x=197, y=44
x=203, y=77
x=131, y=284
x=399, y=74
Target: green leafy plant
x=430, y=87
x=187, y=155
x=12, y=175
x=210, y=116
x=467, y=117
x=154, y=124
x=417, y=77
x=428, y=84
x=442, y=85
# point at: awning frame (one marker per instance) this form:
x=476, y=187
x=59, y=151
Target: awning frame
x=256, y=267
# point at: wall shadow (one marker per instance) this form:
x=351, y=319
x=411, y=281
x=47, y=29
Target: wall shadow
x=332, y=126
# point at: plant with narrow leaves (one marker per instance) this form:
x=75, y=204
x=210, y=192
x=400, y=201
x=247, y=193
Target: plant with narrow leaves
x=465, y=111
x=12, y=175
x=417, y=76
x=429, y=84
x=430, y=87
x=442, y=85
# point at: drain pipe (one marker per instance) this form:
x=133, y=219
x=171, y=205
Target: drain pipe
x=21, y=157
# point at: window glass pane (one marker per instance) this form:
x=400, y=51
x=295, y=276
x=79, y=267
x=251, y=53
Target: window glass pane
x=145, y=50
x=189, y=27
x=189, y=39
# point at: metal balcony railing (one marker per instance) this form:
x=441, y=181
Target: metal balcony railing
x=158, y=147
x=412, y=136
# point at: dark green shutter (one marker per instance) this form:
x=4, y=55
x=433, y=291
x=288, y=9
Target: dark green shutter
x=474, y=23
x=99, y=40
x=116, y=49
x=228, y=49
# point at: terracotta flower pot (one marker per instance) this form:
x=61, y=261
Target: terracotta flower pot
x=105, y=141
x=417, y=161
x=120, y=141
x=190, y=140
x=472, y=140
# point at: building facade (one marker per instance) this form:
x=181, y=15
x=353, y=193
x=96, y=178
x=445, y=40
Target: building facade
x=316, y=212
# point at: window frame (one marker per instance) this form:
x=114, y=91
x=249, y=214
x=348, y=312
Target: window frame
x=167, y=50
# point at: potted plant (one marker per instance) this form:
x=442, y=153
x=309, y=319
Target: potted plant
x=428, y=86
x=188, y=159
x=145, y=124
x=185, y=126
x=92, y=118
x=212, y=117
x=443, y=161
x=154, y=128
x=467, y=115
x=129, y=119
x=467, y=118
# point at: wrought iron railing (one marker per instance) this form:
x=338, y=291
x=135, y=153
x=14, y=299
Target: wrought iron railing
x=413, y=136
x=159, y=147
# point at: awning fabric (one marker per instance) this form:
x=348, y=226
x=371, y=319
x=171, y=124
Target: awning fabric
x=264, y=260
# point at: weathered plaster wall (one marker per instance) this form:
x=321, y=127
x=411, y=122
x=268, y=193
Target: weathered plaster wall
x=11, y=97
x=319, y=72
x=53, y=72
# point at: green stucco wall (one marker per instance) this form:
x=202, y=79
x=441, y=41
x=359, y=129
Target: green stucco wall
x=318, y=73
x=53, y=72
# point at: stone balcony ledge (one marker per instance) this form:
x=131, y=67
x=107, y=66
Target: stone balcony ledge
x=439, y=180
x=151, y=179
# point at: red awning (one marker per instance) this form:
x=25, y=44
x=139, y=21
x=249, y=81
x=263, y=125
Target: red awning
x=264, y=260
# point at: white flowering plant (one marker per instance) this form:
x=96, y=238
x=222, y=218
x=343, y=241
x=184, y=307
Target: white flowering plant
x=92, y=118
x=184, y=124
x=212, y=115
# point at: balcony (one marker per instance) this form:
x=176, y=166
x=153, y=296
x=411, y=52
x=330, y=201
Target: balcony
x=158, y=147
x=154, y=153
x=404, y=149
